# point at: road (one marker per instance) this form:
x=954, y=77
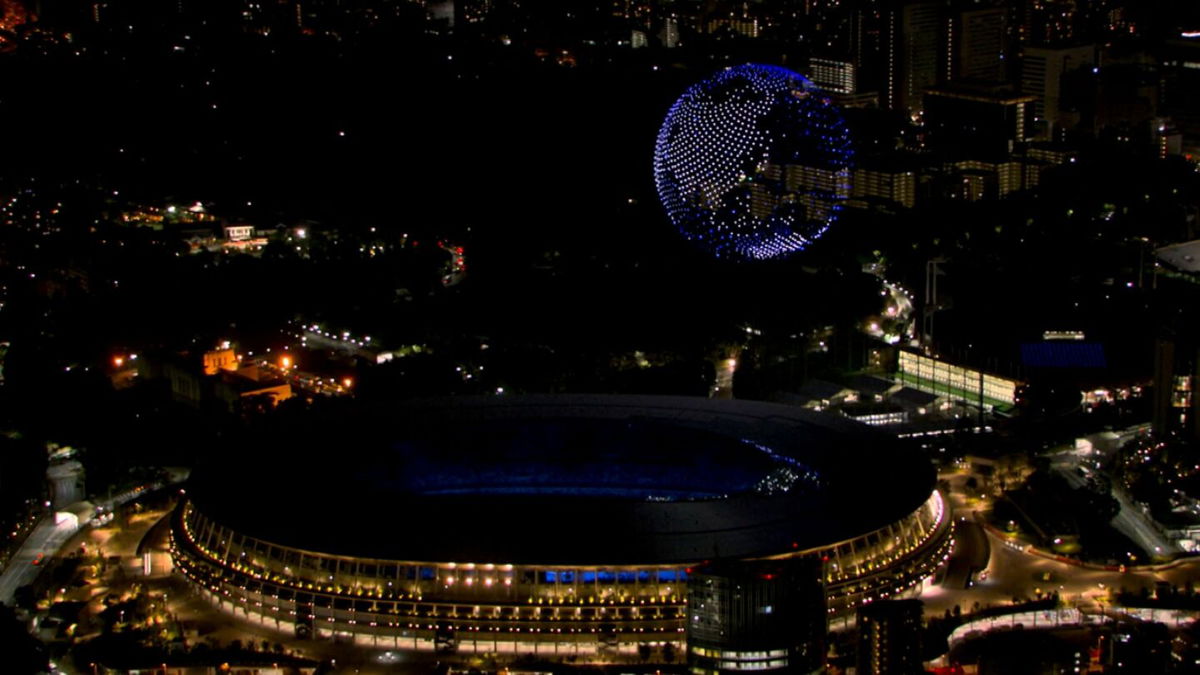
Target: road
x=1131, y=518
x=1130, y=521
x=48, y=538
x=1013, y=571
x=44, y=541
x=971, y=554
x=307, y=382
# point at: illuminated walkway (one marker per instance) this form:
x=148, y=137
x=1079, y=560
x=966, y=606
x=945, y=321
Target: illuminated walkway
x=1066, y=617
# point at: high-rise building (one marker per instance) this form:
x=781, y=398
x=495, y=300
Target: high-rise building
x=669, y=35
x=731, y=19
x=1176, y=372
x=757, y=615
x=848, y=61
x=889, y=638
x=864, y=42
x=1167, y=138
x=890, y=178
x=1180, y=67
x=911, y=31
x=838, y=76
x=976, y=122
x=1042, y=71
x=1049, y=22
x=975, y=44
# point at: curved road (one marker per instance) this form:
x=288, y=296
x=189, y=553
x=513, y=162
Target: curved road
x=44, y=541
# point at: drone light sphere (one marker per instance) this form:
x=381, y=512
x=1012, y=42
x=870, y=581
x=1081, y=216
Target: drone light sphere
x=753, y=163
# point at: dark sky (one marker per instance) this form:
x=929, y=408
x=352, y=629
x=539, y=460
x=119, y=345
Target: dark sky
x=534, y=150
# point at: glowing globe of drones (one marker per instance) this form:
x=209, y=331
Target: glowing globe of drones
x=753, y=163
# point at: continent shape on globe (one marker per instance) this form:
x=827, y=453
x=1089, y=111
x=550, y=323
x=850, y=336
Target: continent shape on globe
x=753, y=163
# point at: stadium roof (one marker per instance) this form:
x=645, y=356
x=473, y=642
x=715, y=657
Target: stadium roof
x=1185, y=257
x=564, y=480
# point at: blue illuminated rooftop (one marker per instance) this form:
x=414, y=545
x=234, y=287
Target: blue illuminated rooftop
x=623, y=459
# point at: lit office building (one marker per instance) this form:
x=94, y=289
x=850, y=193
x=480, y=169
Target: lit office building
x=957, y=382
x=838, y=76
x=976, y=45
x=1042, y=72
x=756, y=615
x=911, y=33
x=889, y=638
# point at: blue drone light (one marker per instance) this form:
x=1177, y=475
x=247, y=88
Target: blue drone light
x=753, y=163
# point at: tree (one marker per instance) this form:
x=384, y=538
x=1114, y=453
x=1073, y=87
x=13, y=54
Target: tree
x=23, y=653
x=24, y=597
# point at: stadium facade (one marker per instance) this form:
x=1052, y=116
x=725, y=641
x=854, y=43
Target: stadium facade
x=565, y=525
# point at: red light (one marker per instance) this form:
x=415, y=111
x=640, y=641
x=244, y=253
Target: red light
x=768, y=576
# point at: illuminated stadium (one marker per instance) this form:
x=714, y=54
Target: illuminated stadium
x=753, y=163
x=563, y=525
